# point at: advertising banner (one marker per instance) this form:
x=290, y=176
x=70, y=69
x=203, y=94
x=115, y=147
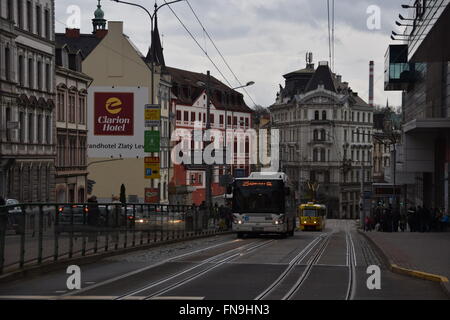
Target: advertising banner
x=115, y=125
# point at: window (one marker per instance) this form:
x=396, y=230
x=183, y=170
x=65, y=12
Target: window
x=322, y=155
x=316, y=135
x=324, y=115
x=72, y=108
x=22, y=127
x=323, y=135
x=30, y=73
x=211, y=118
x=221, y=120
x=82, y=106
x=48, y=125
x=316, y=155
x=47, y=24
x=8, y=119
x=178, y=115
x=186, y=116
x=39, y=129
x=10, y=9
x=20, y=14
x=229, y=120
x=61, y=106
x=316, y=115
x=48, y=79
x=21, y=71
x=38, y=21
x=29, y=16
x=246, y=122
x=39, y=75
x=193, y=116
x=30, y=128
x=234, y=121
x=7, y=64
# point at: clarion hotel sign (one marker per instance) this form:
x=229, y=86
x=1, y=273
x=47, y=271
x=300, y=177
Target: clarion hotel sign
x=113, y=114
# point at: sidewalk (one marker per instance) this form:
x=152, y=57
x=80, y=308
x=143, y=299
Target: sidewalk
x=423, y=255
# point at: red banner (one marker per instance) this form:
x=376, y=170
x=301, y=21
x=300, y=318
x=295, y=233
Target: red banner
x=151, y=195
x=113, y=114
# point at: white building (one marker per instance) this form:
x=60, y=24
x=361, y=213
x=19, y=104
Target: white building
x=27, y=59
x=325, y=132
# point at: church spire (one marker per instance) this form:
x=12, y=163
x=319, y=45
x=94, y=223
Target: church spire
x=99, y=21
x=155, y=53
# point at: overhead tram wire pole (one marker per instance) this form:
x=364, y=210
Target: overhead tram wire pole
x=153, y=45
x=152, y=17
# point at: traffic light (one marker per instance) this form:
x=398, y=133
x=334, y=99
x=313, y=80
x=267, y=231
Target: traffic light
x=90, y=186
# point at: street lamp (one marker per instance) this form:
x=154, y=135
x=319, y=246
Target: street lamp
x=152, y=17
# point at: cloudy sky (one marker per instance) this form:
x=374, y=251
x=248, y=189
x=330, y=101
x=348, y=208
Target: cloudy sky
x=261, y=40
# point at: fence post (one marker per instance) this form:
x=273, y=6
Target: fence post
x=3, y=219
x=40, y=234
x=23, y=227
x=56, y=234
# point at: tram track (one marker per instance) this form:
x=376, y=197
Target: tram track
x=311, y=262
x=351, y=264
x=210, y=263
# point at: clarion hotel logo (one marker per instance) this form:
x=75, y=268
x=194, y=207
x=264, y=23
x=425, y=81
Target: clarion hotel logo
x=113, y=114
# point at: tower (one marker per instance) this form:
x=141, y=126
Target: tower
x=99, y=22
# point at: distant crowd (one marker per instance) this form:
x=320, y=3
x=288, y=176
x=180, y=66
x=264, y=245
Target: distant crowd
x=416, y=219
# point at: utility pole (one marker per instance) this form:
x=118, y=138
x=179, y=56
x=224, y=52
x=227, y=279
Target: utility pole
x=208, y=191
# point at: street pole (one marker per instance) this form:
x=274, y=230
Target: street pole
x=208, y=191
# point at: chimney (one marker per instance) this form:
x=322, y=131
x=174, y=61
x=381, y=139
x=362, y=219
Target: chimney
x=72, y=33
x=101, y=33
x=371, y=83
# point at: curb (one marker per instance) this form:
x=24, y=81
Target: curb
x=44, y=268
x=410, y=272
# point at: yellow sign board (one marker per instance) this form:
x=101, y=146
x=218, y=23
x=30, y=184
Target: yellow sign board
x=152, y=115
x=152, y=171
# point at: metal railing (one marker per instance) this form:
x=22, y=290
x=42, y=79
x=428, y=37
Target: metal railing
x=31, y=234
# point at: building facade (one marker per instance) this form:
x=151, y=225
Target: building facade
x=124, y=74
x=228, y=111
x=27, y=99
x=325, y=139
x=71, y=126
x=420, y=69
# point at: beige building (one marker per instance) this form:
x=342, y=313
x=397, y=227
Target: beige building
x=118, y=70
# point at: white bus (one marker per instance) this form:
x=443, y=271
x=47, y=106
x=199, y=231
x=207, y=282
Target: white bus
x=263, y=204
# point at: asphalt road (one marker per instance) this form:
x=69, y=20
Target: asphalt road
x=328, y=265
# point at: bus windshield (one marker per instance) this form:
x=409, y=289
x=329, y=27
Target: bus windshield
x=309, y=213
x=259, y=197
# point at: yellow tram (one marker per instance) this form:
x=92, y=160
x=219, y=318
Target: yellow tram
x=312, y=216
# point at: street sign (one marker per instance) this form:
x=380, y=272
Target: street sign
x=152, y=115
x=150, y=160
x=151, y=195
x=152, y=171
x=152, y=141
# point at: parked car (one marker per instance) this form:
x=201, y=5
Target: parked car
x=15, y=215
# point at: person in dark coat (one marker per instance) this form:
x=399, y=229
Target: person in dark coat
x=395, y=220
x=93, y=212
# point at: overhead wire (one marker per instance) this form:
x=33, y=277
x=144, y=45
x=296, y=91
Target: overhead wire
x=218, y=50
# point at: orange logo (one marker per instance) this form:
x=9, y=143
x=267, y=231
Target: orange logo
x=113, y=106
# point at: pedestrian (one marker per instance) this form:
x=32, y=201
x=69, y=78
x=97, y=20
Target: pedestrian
x=395, y=220
x=93, y=212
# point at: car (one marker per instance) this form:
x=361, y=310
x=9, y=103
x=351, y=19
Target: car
x=15, y=215
x=65, y=213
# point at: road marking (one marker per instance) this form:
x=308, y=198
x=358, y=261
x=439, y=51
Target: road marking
x=177, y=298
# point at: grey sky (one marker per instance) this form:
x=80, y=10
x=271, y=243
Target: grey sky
x=261, y=39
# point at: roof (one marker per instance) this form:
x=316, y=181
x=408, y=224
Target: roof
x=155, y=53
x=85, y=42
x=183, y=78
x=322, y=76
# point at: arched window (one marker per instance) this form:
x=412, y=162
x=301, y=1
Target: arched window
x=316, y=115
x=324, y=115
x=323, y=135
x=322, y=155
x=315, y=155
x=316, y=135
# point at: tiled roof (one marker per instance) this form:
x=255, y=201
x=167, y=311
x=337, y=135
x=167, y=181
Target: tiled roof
x=85, y=42
x=189, y=79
